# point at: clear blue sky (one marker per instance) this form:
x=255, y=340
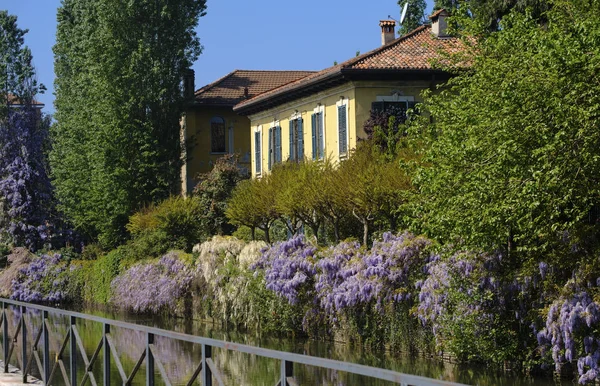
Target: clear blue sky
x=236, y=34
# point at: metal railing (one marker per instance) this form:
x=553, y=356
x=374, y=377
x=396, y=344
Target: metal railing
x=207, y=371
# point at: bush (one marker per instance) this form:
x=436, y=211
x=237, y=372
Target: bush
x=213, y=191
x=175, y=222
x=45, y=279
x=99, y=276
x=153, y=287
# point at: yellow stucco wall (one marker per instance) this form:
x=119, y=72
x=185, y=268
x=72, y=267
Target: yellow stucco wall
x=200, y=159
x=360, y=95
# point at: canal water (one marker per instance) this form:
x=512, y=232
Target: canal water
x=181, y=359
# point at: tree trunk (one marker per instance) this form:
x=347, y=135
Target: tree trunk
x=366, y=233
x=315, y=229
x=253, y=233
x=267, y=236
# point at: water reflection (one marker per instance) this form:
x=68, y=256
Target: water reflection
x=180, y=359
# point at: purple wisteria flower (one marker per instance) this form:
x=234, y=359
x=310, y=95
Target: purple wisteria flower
x=289, y=267
x=572, y=321
x=44, y=280
x=153, y=286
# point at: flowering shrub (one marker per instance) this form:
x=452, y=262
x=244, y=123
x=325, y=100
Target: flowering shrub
x=462, y=300
x=44, y=280
x=250, y=254
x=571, y=333
x=25, y=191
x=153, y=286
x=289, y=267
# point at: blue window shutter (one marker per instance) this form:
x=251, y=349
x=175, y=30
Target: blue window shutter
x=321, y=125
x=300, y=136
x=278, y=144
x=342, y=129
x=292, y=147
x=314, y=135
x=257, y=157
x=270, y=148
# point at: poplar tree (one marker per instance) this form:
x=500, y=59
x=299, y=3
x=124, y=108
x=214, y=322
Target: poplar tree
x=119, y=68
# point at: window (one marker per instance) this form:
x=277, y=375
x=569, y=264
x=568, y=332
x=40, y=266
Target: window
x=342, y=111
x=393, y=105
x=257, y=150
x=318, y=133
x=296, y=140
x=274, y=144
x=217, y=135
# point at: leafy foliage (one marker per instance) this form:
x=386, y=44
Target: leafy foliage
x=213, y=191
x=514, y=151
x=415, y=15
x=119, y=67
x=175, y=223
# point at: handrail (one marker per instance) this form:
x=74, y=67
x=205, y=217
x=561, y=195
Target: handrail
x=207, y=369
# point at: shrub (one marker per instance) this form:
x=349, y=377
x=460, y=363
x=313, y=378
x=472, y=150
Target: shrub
x=99, y=276
x=175, y=223
x=156, y=286
x=213, y=191
x=44, y=280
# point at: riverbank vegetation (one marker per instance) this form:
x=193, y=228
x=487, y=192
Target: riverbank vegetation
x=468, y=227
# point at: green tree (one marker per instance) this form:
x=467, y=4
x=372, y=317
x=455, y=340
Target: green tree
x=515, y=156
x=371, y=186
x=253, y=204
x=213, y=191
x=415, y=15
x=489, y=12
x=119, y=68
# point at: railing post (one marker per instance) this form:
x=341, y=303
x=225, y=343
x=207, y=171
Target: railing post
x=287, y=370
x=106, y=377
x=206, y=372
x=149, y=360
x=73, y=349
x=5, y=337
x=24, y=342
x=46, y=347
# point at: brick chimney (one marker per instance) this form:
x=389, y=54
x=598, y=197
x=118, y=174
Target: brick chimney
x=387, y=31
x=189, y=79
x=439, y=24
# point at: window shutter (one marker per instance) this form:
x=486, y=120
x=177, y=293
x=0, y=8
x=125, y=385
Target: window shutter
x=300, y=138
x=292, y=145
x=257, y=157
x=314, y=135
x=320, y=123
x=342, y=129
x=271, y=148
x=278, y=144
x=377, y=106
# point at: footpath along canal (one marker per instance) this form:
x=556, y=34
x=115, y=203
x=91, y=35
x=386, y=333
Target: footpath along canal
x=179, y=359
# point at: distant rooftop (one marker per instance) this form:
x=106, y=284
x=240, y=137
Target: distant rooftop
x=244, y=84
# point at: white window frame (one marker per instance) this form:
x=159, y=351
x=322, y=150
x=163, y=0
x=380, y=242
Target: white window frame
x=343, y=102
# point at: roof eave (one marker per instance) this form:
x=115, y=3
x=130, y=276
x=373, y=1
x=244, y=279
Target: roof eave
x=261, y=103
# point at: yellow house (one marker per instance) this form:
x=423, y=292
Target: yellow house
x=322, y=114
x=210, y=127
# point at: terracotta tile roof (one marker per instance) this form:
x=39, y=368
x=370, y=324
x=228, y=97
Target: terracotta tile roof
x=15, y=101
x=414, y=51
x=230, y=89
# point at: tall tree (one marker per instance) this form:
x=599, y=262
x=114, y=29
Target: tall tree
x=515, y=158
x=119, y=69
x=415, y=15
x=489, y=12
x=25, y=191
